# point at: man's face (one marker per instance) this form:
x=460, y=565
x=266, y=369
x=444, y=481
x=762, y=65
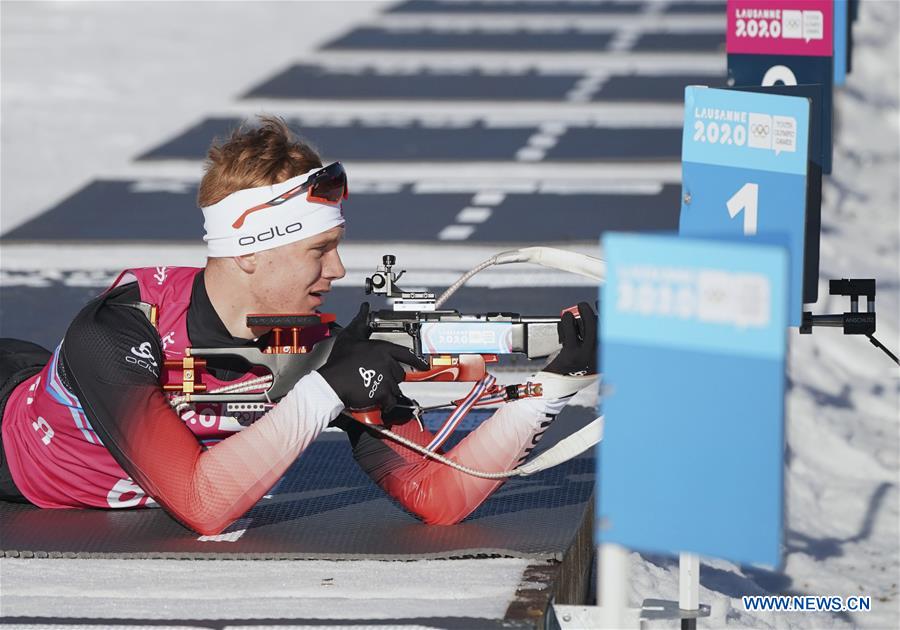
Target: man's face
x=294, y=278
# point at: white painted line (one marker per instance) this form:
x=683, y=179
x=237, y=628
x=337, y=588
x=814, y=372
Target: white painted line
x=624, y=40
x=456, y=232
x=592, y=80
x=556, y=186
x=529, y=154
x=583, y=96
x=230, y=536
x=601, y=188
x=549, y=22
x=429, y=186
x=473, y=215
x=450, y=113
x=472, y=174
x=399, y=62
x=488, y=198
x=543, y=140
x=553, y=128
x=704, y=62
x=156, y=185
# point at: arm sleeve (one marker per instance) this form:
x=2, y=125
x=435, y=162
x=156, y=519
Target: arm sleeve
x=205, y=490
x=436, y=493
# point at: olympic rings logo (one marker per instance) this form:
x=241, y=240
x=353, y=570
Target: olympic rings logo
x=759, y=130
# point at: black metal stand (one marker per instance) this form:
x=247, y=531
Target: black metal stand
x=854, y=322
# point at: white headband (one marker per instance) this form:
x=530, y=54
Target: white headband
x=269, y=226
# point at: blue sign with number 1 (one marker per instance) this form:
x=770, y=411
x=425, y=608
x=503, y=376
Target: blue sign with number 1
x=744, y=167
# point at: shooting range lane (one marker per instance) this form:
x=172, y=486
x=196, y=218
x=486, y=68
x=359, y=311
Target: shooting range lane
x=621, y=144
x=145, y=211
x=321, y=82
x=652, y=88
x=420, y=142
x=568, y=40
x=306, y=81
x=325, y=507
x=680, y=42
x=575, y=7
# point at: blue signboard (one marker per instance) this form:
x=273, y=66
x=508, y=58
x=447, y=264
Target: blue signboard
x=693, y=358
x=841, y=25
x=813, y=179
x=766, y=70
x=744, y=166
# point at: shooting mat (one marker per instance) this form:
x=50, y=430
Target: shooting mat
x=321, y=82
x=569, y=40
x=415, y=140
x=326, y=508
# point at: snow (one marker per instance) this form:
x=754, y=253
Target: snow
x=87, y=86
x=249, y=589
x=843, y=407
x=82, y=94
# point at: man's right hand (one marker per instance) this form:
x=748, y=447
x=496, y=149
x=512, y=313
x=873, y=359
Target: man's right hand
x=365, y=373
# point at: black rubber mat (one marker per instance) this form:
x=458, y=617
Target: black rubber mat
x=522, y=217
x=124, y=211
x=318, y=82
x=327, y=508
x=623, y=144
x=42, y=314
x=653, y=88
x=305, y=81
x=364, y=142
x=717, y=8
x=680, y=42
x=517, y=7
x=374, y=38
x=417, y=142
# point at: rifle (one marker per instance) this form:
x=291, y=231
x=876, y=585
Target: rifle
x=457, y=346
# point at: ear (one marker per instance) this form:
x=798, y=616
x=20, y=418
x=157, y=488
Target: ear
x=248, y=263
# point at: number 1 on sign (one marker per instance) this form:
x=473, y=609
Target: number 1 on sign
x=746, y=199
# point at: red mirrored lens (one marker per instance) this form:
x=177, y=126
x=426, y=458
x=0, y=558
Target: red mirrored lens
x=331, y=186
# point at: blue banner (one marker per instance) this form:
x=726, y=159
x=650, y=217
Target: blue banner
x=693, y=359
x=841, y=24
x=744, y=166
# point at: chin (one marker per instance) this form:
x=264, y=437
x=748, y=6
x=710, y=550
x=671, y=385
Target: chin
x=310, y=305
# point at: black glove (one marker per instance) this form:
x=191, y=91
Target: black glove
x=578, y=337
x=365, y=373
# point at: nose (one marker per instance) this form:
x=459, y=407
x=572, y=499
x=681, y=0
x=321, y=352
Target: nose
x=333, y=268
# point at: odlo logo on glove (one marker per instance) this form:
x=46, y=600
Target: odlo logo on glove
x=378, y=382
x=368, y=376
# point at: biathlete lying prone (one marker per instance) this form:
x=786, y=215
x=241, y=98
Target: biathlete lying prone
x=90, y=425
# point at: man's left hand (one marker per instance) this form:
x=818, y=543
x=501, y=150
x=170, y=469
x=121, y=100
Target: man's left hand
x=578, y=336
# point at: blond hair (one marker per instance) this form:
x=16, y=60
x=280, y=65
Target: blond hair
x=259, y=156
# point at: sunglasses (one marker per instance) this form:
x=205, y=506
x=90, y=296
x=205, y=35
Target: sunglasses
x=327, y=186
